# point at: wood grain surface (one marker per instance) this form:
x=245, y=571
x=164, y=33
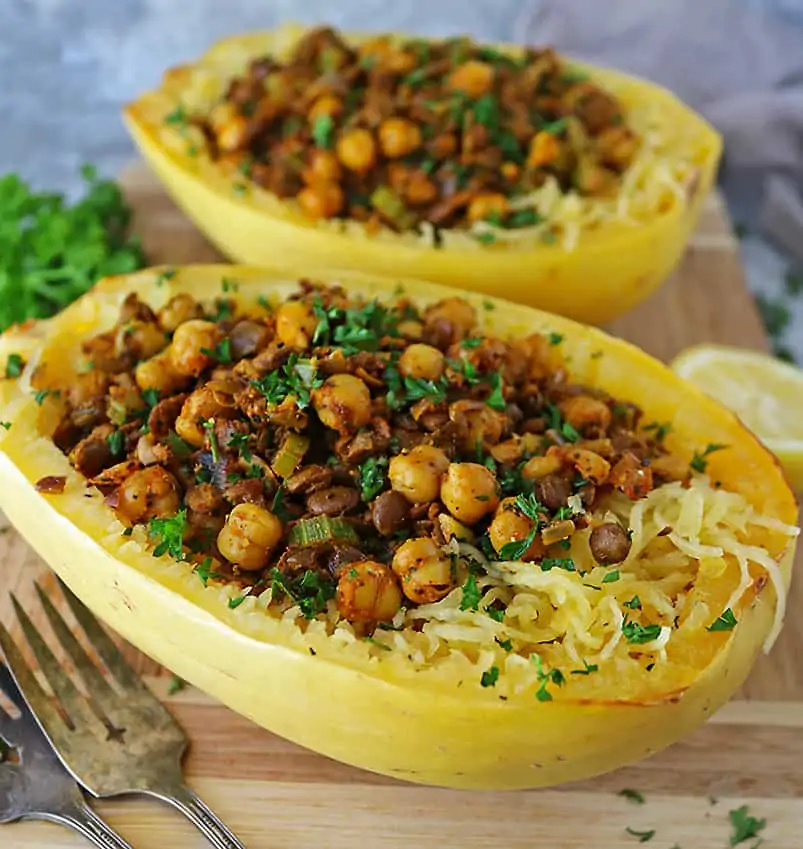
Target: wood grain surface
x=277, y=795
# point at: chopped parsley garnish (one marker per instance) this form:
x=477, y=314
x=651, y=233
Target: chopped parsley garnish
x=632, y=796
x=278, y=507
x=566, y=563
x=587, y=669
x=490, y=677
x=209, y=427
x=116, y=442
x=634, y=603
x=472, y=594
x=516, y=549
x=239, y=443
x=40, y=395
x=472, y=342
x=169, y=534
x=310, y=592
x=221, y=353
x=295, y=378
x=5, y=425
x=485, y=238
x=569, y=432
x=699, y=462
x=744, y=826
x=234, y=603
x=661, y=430
x=176, y=685
x=488, y=306
x=496, y=400
x=530, y=507
x=611, y=576
x=372, y=477
x=496, y=613
x=323, y=131
x=643, y=836
x=178, y=446
x=638, y=634
x=555, y=338
x=150, y=397
x=546, y=677
x=507, y=645
x=14, y=366
x=178, y=117
x=725, y=622
x=205, y=572
x=163, y=276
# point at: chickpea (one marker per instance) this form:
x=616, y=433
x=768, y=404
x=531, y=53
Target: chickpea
x=343, y=403
x=539, y=467
x=420, y=190
x=189, y=340
x=356, y=149
x=399, y=61
x=590, y=465
x=477, y=423
x=469, y=492
x=424, y=570
x=198, y=408
x=295, y=324
x=483, y=205
x=323, y=168
x=321, y=200
x=422, y=361
x=508, y=526
x=583, y=410
x=617, y=146
x=444, y=145
x=325, y=105
x=457, y=313
x=143, y=339
x=159, y=373
x=398, y=137
x=510, y=171
x=410, y=329
x=177, y=310
x=148, y=494
x=473, y=78
x=229, y=127
x=544, y=148
x=368, y=592
x=452, y=529
x=87, y=387
x=249, y=536
x=417, y=474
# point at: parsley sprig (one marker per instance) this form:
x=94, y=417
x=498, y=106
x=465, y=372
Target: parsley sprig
x=372, y=477
x=169, y=535
x=296, y=378
x=310, y=592
x=52, y=251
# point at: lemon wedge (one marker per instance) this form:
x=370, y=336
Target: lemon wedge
x=766, y=394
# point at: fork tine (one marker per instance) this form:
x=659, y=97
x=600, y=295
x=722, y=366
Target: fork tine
x=96, y=684
x=23, y=680
x=101, y=642
x=75, y=705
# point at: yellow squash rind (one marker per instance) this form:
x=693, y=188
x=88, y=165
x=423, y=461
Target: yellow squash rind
x=611, y=270
x=364, y=712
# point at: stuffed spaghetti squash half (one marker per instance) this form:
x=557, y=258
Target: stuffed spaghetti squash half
x=500, y=169
x=426, y=533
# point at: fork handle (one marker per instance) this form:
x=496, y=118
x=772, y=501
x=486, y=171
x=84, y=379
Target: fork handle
x=187, y=801
x=81, y=818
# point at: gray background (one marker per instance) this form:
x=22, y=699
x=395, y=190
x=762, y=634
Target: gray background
x=67, y=66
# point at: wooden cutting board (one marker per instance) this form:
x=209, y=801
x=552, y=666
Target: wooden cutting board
x=278, y=795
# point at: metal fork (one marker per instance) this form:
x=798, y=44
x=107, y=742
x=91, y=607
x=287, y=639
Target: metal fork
x=36, y=786
x=113, y=743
